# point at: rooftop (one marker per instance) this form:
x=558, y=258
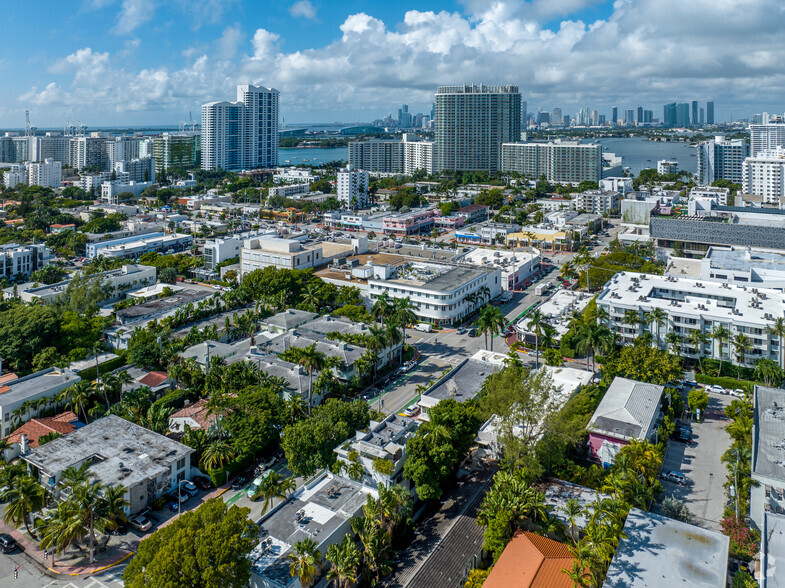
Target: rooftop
x=462, y=383
x=659, y=551
x=330, y=324
x=627, y=410
x=22, y=389
x=290, y=318
x=741, y=259
x=121, y=452
x=558, y=492
x=773, y=550
x=768, y=453
x=530, y=561
x=325, y=506
x=36, y=428
x=558, y=309
x=161, y=305
x=346, y=352
x=384, y=439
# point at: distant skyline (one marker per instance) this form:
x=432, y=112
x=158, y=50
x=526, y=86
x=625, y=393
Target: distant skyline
x=150, y=62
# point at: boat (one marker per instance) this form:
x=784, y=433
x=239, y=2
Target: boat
x=306, y=160
x=288, y=161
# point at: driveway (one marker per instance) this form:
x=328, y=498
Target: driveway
x=702, y=463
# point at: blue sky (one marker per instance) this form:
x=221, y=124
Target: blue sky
x=113, y=62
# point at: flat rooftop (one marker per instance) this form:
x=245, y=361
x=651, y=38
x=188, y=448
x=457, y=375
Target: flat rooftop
x=768, y=454
x=326, y=505
x=121, y=452
x=181, y=298
x=742, y=259
x=24, y=388
x=330, y=324
x=558, y=309
x=384, y=438
x=659, y=551
x=558, y=492
x=463, y=382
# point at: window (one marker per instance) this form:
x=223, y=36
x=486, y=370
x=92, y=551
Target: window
x=180, y=463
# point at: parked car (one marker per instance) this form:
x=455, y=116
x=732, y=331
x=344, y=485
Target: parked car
x=675, y=477
x=266, y=463
x=202, y=483
x=7, y=543
x=716, y=389
x=239, y=482
x=411, y=411
x=738, y=393
x=461, y=331
x=140, y=523
x=120, y=529
x=252, y=489
x=189, y=488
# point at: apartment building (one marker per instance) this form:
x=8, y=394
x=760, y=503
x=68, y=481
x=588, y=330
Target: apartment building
x=692, y=304
x=597, y=202
x=768, y=469
x=261, y=252
x=21, y=260
x=116, y=282
x=565, y=162
x=48, y=174
x=18, y=391
x=377, y=155
x=352, y=187
x=141, y=169
x=177, y=150
x=764, y=175
x=417, y=155
x=765, y=137
x=721, y=159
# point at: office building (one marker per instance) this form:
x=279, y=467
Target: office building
x=615, y=116
x=762, y=228
x=629, y=117
x=516, y=267
x=666, y=167
x=177, y=150
x=524, y=114
x=767, y=136
x=377, y=155
x=472, y=122
x=702, y=115
x=352, y=187
x=692, y=304
x=710, y=113
x=721, y=159
x=543, y=118
x=682, y=114
x=136, y=245
x=241, y=134
x=669, y=115
x=117, y=281
x=261, y=252
x=694, y=113
x=556, y=116
x=111, y=190
x=119, y=453
x=764, y=175
x=562, y=162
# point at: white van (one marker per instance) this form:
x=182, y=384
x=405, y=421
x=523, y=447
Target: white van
x=424, y=327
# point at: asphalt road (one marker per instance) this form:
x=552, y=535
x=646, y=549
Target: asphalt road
x=30, y=576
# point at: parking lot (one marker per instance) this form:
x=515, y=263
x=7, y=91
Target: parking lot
x=701, y=462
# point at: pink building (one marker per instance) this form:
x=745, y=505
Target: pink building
x=409, y=223
x=629, y=410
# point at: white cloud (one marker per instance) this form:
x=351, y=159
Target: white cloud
x=134, y=13
x=303, y=9
x=647, y=52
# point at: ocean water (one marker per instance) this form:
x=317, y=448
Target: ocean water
x=637, y=153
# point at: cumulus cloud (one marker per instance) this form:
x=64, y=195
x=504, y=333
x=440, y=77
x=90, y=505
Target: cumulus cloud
x=134, y=13
x=303, y=9
x=646, y=52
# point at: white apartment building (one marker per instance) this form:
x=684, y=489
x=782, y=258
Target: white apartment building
x=140, y=169
x=352, y=187
x=596, y=202
x=242, y=134
x=719, y=159
x=53, y=146
x=89, y=152
x=22, y=260
x=261, y=252
x=288, y=190
x=666, y=167
x=764, y=175
x=94, y=181
x=568, y=162
x=294, y=175
x=768, y=469
x=16, y=175
x=720, y=195
x=122, y=149
x=417, y=155
x=438, y=291
x=117, y=282
x=111, y=189
x=219, y=250
x=515, y=266
x=765, y=137
x=48, y=174
x=622, y=185
x=377, y=155
x=690, y=304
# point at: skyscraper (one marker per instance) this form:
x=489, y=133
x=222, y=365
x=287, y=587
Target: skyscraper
x=702, y=115
x=242, y=134
x=682, y=114
x=710, y=113
x=615, y=116
x=472, y=121
x=640, y=114
x=766, y=137
x=719, y=159
x=524, y=114
x=556, y=116
x=404, y=117
x=669, y=115
x=694, y=113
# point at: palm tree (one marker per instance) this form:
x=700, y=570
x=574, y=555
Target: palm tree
x=217, y=454
x=674, y=339
x=491, y=321
x=697, y=340
x=591, y=338
x=93, y=511
x=375, y=342
x=273, y=486
x=295, y=407
x=741, y=345
x=305, y=562
x=25, y=496
x=657, y=318
x=345, y=560
x=403, y=312
x=393, y=336
x=311, y=360
x=720, y=334
x=778, y=330
x=310, y=295
x=77, y=396
x=536, y=325
x=566, y=270
x=73, y=476
x=768, y=370
x=382, y=308
x=632, y=318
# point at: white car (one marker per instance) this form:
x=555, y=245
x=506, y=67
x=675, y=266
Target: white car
x=411, y=411
x=716, y=389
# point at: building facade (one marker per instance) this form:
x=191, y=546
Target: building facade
x=719, y=159
x=177, y=150
x=764, y=175
x=21, y=260
x=562, y=162
x=352, y=187
x=48, y=174
x=261, y=252
x=472, y=122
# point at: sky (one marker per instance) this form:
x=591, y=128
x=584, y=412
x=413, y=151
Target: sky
x=155, y=62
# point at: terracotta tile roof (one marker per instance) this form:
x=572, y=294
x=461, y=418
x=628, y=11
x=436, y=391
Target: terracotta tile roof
x=38, y=427
x=531, y=561
x=154, y=379
x=197, y=412
x=9, y=377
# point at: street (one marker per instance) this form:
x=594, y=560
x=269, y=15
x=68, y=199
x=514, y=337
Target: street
x=31, y=576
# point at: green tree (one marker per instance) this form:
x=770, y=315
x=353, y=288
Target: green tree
x=273, y=486
x=697, y=399
x=536, y=325
x=49, y=274
x=305, y=562
x=491, y=322
x=25, y=496
x=720, y=334
x=168, y=275
x=741, y=345
x=344, y=558
x=208, y=546
x=217, y=454
x=593, y=337
x=644, y=363
x=777, y=329
x=769, y=371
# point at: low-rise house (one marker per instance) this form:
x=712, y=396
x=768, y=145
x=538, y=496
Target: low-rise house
x=659, y=551
x=532, y=561
x=629, y=410
x=195, y=416
x=347, y=354
x=119, y=453
x=17, y=396
x=28, y=436
x=285, y=321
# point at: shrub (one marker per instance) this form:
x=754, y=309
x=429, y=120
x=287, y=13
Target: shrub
x=744, y=541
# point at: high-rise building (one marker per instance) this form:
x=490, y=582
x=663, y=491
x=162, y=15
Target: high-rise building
x=702, y=115
x=524, y=114
x=47, y=174
x=566, y=120
x=765, y=137
x=601, y=120
x=377, y=155
x=648, y=116
x=764, y=175
x=694, y=113
x=568, y=161
x=137, y=170
x=472, y=121
x=640, y=114
x=543, y=117
x=669, y=115
x=89, y=152
x=242, y=134
x=352, y=187
x=176, y=150
x=710, y=112
x=615, y=116
x=629, y=117
x=404, y=117
x=719, y=159
x=556, y=116
x=417, y=155
x=122, y=149
x=682, y=114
